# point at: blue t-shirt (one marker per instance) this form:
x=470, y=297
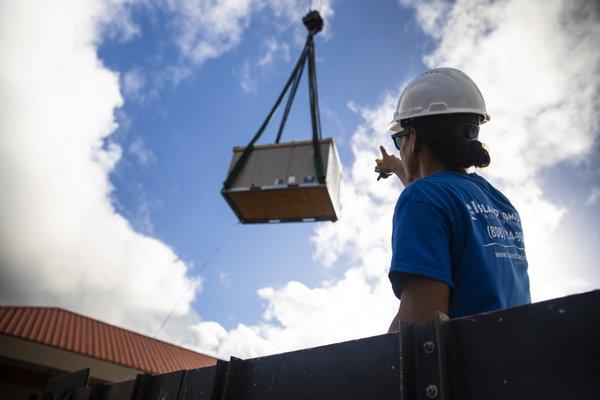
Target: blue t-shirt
x=459, y=229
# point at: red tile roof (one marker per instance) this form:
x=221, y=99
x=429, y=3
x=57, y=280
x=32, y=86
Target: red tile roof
x=69, y=331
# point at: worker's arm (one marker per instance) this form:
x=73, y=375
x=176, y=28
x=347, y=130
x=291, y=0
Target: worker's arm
x=420, y=299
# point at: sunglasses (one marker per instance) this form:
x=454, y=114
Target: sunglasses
x=398, y=136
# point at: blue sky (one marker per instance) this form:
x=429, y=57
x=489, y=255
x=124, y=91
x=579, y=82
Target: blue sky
x=119, y=124
x=190, y=130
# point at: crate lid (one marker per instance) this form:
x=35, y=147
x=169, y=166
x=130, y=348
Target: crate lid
x=238, y=149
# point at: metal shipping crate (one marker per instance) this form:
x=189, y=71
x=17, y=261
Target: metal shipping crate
x=278, y=184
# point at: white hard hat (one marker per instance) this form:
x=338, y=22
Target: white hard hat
x=439, y=91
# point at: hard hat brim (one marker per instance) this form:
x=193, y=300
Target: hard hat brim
x=484, y=116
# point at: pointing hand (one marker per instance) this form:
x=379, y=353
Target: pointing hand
x=387, y=165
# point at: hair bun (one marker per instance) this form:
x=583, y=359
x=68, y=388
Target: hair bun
x=477, y=155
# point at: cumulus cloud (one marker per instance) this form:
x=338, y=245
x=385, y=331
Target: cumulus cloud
x=206, y=29
x=537, y=66
x=114, y=20
x=272, y=48
x=141, y=152
x=593, y=196
x=61, y=241
x=247, y=81
x=298, y=317
x=224, y=278
x=132, y=84
x=254, y=68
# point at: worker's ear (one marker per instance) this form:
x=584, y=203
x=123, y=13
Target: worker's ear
x=414, y=143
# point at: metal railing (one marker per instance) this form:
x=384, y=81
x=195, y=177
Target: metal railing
x=546, y=350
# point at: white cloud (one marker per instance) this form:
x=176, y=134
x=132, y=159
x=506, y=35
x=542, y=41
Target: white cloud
x=537, y=66
x=114, y=21
x=61, y=241
x=60, y=229
x=206, y=29
x=593, y=196
x=247, y=82
x=299, y=317
x=141, y=152
x=254, y=68
x=139, y=216
x=133, y=83
x=272, y=48
x=224, y=278
x=203, y=30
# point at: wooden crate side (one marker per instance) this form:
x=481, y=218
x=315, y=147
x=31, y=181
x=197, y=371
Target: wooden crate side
x=286, y=205
x=247, y=204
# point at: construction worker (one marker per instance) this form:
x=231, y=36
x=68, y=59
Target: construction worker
x=457, y=241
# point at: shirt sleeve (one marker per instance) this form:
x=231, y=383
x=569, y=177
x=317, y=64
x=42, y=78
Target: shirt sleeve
x=420, y=243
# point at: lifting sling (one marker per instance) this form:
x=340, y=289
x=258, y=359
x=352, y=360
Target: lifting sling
x=314, y=24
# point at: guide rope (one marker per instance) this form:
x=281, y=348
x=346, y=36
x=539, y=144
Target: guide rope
x=192, y=281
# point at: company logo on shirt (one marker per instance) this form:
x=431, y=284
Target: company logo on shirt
x=502, y=229
x=473, y=213
x=476, y=209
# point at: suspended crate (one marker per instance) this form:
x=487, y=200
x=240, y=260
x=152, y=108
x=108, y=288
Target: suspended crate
x=288, y=182
x=278, y=184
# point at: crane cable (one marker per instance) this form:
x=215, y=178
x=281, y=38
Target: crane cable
x=204, y=265
x=192, y=281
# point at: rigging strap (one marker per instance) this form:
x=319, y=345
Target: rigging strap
x=288, y=106
x=314, y=24
x=315, y=118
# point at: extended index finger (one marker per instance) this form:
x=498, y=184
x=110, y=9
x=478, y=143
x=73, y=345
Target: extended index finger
x=383, y=152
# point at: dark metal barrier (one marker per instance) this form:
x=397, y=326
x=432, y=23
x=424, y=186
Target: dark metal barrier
x=546, y=350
